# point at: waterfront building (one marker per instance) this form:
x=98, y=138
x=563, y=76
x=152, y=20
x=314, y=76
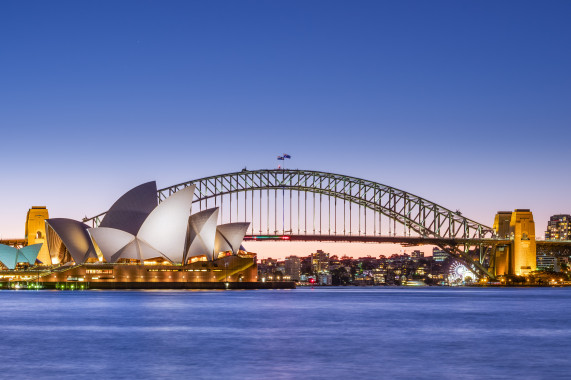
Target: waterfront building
x=320, y=267
x=292, y=266
x=364, y=279
x=267, y=269
x=270, y=263
x=439, y=255
x=368, y=263
x=325, y=279
x=320, y=261
x=334, y=262
x=280, y=270
x=546, y=262
x=416, y=255
x=559, y=227
x=379, y=276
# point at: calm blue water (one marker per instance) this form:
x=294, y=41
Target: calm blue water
x=317, y=333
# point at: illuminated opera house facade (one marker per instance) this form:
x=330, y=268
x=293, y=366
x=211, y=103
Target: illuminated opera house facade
x=139, y=243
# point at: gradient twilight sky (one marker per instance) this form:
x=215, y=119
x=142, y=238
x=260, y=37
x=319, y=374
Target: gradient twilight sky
x=466, y=103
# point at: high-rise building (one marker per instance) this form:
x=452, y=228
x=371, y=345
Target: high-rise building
x=267, y=269
x=293, y=267
x=416, y=255
x=320, y=261
x=559, y=227
x=439, y=254
x=546, y=262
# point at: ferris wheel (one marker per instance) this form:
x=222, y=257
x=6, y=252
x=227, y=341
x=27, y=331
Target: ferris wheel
x=459, y=272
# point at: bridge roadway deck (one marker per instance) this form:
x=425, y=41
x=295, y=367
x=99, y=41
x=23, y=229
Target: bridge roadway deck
x=404, y=240
x=553, y=243
x=560, y=247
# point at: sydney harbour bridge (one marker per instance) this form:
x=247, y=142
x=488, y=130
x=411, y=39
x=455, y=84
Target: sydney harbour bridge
x=306, y=205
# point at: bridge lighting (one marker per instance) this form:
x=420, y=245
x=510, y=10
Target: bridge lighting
x=269, y=237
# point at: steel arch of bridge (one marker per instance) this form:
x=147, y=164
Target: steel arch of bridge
x=413, y=213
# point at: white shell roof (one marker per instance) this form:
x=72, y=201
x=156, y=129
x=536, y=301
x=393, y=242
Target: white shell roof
x=74, y=236
x=202, y=233
x=110, y=240
x=229, y=237
x=166, y=227
x=129, y=212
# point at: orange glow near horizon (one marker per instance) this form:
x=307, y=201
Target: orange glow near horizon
x=281, y=250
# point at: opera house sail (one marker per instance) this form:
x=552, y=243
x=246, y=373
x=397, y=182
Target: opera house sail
x=68, y=241
x=11, y=256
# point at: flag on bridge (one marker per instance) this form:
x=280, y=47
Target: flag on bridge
x=280, y=158
x=286, y=156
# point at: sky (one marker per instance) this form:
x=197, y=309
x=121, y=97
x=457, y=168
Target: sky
x=465, y=103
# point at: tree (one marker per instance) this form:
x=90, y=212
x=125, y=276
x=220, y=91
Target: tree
x=340, y=276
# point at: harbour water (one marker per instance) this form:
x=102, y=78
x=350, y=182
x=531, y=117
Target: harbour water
x=345, y=333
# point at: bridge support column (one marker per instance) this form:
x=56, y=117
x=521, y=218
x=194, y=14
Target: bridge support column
x=519, y=257
x=36, y=231
x=522, y=229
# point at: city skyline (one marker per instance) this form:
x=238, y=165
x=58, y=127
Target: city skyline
x=462, y=104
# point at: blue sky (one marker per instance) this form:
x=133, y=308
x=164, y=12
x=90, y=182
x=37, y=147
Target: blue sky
x=465, y=103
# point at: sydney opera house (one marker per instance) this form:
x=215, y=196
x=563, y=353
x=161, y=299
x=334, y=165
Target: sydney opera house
x=139, y=243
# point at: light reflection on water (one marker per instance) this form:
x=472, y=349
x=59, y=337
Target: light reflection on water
x=302, y=333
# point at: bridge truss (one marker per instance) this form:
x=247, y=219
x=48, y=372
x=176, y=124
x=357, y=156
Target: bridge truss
x=311, y=205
